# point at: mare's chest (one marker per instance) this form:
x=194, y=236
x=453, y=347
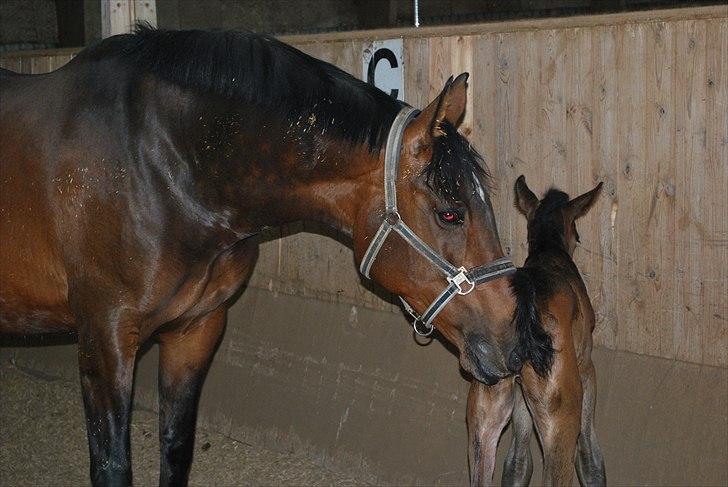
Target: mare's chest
x=209, y=288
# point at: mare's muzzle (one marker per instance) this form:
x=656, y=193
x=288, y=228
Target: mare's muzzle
x=484, y=361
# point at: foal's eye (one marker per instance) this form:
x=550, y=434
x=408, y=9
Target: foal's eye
x=450, y=217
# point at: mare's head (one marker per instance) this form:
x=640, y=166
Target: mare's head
x=442, y=194
x=552, y=220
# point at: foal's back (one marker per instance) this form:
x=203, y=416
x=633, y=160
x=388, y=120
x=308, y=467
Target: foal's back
x=549, y=268
x=565, y=303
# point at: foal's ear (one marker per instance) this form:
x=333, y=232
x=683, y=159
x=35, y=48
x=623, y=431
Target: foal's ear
x=526, y=201
x=580, y=205
x=449, y=106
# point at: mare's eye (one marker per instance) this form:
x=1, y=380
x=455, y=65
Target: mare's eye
x=450, y=217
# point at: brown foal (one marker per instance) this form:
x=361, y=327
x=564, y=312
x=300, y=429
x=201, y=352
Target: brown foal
x=558, y=393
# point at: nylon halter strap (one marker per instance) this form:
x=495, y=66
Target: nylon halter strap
x=460, y=280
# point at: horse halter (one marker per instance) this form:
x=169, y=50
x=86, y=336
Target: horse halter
x=460, y=280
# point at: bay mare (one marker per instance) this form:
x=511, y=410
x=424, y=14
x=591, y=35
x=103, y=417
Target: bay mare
x=133, y=178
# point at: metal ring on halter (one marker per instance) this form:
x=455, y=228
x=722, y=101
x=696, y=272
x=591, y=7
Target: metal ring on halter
x=392, y=217
x=420, y=333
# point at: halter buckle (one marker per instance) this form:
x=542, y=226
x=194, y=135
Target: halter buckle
x=458, y=279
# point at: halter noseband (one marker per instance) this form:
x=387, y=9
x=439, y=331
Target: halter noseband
x=460, y=280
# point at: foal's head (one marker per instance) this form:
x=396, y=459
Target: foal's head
x=442, y=194
x=552, y=220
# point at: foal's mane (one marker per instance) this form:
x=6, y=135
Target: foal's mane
x=545, y=231
x=260, y=71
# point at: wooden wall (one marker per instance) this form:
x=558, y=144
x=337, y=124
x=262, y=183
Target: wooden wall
x=639, y=101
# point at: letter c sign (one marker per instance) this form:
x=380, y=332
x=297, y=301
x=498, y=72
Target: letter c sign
x=382, y=66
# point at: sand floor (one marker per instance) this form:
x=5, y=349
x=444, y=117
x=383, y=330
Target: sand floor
x=46, y=444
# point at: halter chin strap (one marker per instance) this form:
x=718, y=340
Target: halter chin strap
x=460, y=280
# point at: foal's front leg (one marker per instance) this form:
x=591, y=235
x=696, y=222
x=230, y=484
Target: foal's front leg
x=489, y=408
x=106, y=352
x=185, y=353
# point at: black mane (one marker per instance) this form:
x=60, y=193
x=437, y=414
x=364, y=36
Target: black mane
x=456, y=169
x=261, y=71
x=546, y=229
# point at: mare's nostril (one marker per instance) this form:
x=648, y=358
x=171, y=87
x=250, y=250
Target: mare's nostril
x=515, y=363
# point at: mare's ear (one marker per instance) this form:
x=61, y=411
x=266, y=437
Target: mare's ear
x=449, y=106
x=580, y=205
x=526, y=201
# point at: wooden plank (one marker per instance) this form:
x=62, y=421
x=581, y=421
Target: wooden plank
x=484, y=89
x=119, y=16
x=659, y=245
x=416, y=71
x=581, y=21
x=553, y=79
x=604, y=155
x=631, y=179
x=523, y=138
x=11, y=63
x=60, y=61
x=579, y=142
x=714, y=203
x=145, y=11
x=116, y=17
x=440, y=66
x=41, y=52
x=41, y=65
x=24, y=66
x=689, y=150
x=462, y=62
x=482, y=93
x=505, y=120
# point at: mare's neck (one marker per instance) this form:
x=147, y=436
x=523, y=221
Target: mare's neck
x=266, y=172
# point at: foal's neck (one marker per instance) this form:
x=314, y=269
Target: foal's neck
x=548, y=244
x=551, y=247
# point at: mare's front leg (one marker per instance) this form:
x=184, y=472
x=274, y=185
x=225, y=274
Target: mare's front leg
x=185, y=353
x=107, y=346
x=186, y=350
x=489, y=408
x=518, y=466
x=555, y=405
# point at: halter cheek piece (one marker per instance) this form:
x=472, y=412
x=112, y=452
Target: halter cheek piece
x=460, y=280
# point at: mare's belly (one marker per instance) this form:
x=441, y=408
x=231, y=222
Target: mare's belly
x=33, y=285
x=33, y=289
